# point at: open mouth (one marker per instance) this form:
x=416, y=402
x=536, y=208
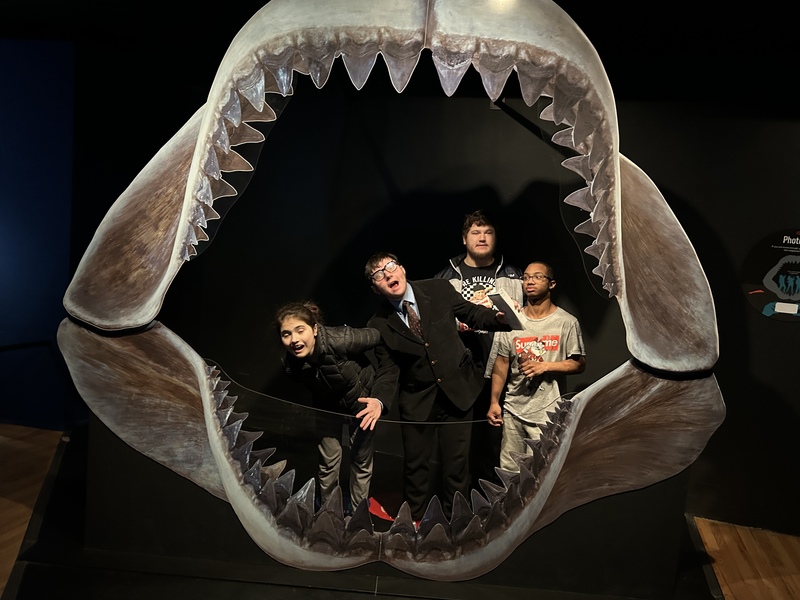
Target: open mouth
x=644, y=422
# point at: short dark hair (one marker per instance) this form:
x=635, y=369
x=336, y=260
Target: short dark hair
x=475, y=218
x=307, y=311
x=549, y=270
x=375, y=260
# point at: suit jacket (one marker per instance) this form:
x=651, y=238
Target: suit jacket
x=414, y=370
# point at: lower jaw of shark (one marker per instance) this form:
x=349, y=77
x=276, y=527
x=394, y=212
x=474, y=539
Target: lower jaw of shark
x=641, y=423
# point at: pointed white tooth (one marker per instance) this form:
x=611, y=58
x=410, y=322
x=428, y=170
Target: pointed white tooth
x=400, y=70
x=600, y=270
x=547, y=113
x=451, y=67
x=579, y=165
x=211, y=164
x=232, y=110
x=221, y=189
x=609, y=282
x=605, y=255
x=586, y=228
x=209, y=190
x=300, y=63
x=199, y=216
x=270, y=84
x=244, y=134
x=565, y=96
x=585, y=121
x=191, y=238
x=401, y=60
x=604, y=235
x=211, y=214
x=563, y=137
x=602, y=180
x=280, y=67
x=600, y=213
x=267, y=115
x=494, y=72
x=203, y=192
x=581, y=198
x=595, y=249
x=319, y=66
x=533, y=80
x=321, y=70
x=494, y=82
x=232, y=162
x=359, y=66
x=200, y=234
x=283, y=77
x=252, y=88
x=221, y=139
x=599, y=149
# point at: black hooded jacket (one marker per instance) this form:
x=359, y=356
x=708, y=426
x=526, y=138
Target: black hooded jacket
x=339, y=373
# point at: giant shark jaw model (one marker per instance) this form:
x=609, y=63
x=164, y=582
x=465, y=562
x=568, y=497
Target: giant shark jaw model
x=644, y=422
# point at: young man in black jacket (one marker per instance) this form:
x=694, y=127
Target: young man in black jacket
x=475, y=274
x=425, y=365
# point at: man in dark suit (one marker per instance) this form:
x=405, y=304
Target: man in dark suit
x=425, y=365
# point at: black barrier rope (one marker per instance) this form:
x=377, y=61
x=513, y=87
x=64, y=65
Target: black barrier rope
x=349, y=416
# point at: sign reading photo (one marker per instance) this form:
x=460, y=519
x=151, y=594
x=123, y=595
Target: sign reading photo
x=771, y=276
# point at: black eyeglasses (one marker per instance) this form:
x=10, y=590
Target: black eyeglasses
x=389, y=267
x=536, y=276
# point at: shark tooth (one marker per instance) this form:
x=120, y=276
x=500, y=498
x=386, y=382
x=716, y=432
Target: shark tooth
x=433, y=516
x=451, y=67
x=359, y=63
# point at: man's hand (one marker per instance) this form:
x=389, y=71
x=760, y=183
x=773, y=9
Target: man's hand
x=501, y=317
x=495, y=415
x=533, y=368
x=370, y=414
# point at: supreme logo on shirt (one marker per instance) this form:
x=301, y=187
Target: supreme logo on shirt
x=534, y=347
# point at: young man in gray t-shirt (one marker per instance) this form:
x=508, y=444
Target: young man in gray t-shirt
x=539, y=358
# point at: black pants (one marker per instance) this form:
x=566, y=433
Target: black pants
x=419, y=446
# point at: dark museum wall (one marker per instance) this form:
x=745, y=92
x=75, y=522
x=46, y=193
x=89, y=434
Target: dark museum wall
x=36, y=129
x=345, y=173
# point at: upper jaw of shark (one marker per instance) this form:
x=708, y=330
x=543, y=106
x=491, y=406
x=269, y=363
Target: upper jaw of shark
x=644, y=258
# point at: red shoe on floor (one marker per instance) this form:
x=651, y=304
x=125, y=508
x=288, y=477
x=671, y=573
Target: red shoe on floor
x=376, y=509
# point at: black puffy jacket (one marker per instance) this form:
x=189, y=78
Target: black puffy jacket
x=341, y=372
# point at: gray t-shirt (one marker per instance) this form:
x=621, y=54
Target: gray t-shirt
x=551, y=339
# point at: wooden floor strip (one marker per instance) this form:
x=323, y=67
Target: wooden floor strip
x=752, y=564
x=25, y=457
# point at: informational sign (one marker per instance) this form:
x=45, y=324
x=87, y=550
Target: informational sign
x=771, y=276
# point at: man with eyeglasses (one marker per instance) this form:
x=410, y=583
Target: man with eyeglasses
x=539, y=357
x=425, y=365
x=475, y=274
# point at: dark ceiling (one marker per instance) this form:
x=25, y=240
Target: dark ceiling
x=742, y=60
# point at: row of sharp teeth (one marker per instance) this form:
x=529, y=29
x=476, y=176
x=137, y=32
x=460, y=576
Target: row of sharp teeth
x=470, y=527
x=539, y=74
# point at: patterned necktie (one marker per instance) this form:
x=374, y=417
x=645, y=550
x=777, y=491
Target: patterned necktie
x=413, y=319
